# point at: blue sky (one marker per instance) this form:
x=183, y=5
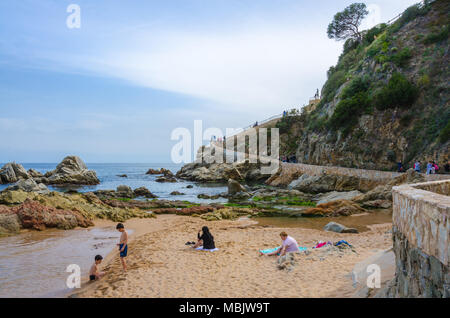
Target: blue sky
x=114, y=89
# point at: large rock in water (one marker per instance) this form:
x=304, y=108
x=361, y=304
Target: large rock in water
x=12, y=172
x=72, y=170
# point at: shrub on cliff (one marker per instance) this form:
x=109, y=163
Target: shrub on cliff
x=399, y=92
x=402, y=58
x=445, y=134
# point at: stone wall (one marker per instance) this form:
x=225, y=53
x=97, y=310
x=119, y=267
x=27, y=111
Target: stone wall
x=421, y=236
x=369, y=178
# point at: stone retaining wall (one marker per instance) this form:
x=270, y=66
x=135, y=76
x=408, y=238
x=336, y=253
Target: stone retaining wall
x=373, y=178
x=421, y=235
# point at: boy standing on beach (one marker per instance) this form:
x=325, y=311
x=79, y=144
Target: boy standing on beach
x=123, y=245
x=94, y=274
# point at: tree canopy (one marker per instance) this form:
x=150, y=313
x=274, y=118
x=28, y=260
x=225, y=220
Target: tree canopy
x=346, y=23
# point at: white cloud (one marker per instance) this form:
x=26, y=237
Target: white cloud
x=257, y=68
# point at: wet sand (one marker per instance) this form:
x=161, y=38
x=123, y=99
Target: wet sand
x=161, y=265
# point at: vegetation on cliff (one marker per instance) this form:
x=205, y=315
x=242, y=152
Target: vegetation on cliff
x=385, y=101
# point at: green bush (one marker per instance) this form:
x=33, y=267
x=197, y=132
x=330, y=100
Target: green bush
x=444, y=136
x=334, y=82
x=347, y=112
x=402, y=58
x=356, y=86
x=437, y=37
x=399, y=92
x=372, y=33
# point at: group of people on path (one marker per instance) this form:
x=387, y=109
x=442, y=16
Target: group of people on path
x=431, y=167
x=291, y=159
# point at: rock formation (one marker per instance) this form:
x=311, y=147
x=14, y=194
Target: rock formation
x=12, y=172
x=72, y=170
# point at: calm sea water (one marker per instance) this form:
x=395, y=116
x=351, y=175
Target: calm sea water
x=109, y=180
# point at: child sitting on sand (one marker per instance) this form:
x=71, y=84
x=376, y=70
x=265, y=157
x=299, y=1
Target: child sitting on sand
x=123, y=245
x=94, y=274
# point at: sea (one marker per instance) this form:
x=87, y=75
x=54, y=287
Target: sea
x=108, y=174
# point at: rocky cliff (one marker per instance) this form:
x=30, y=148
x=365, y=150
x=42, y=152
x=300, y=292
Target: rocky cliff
x=386, y=100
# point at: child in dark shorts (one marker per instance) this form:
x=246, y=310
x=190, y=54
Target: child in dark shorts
x=94, y=274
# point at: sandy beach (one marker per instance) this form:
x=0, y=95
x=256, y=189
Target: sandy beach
x=161, y=265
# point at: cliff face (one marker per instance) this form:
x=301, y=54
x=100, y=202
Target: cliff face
x=386, y=100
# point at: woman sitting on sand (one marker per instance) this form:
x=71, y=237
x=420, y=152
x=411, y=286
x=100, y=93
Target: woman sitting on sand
x=289, y=245
x=206, y=239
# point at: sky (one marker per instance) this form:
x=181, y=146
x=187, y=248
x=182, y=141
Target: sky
x=114, y=89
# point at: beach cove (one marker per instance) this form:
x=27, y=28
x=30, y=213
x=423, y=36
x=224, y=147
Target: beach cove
x=161, y=265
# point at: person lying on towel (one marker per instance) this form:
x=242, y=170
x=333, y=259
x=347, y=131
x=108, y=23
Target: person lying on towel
x=206, y=239
x=289, y=245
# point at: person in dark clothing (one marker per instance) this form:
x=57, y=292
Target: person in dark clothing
x=399, y=166
x=447, y=167
x=206, y=239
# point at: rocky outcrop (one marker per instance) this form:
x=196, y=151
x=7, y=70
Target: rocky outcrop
x=336, y=196
x=34, y=215
x=72, y=170
x=124, y=191
x=327, y=183
x=339, y=228
x=160, y=171
x=221, y=172
x=166, y=179
x=335, y=208
x=12, y=172
x=28, y=185
x=144, y=192
x=381, y=196
x=34, y=173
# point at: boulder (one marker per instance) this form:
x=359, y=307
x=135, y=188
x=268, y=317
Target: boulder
x=9, y=222
x=12, y=172
x=28, y=185
x=221, y=172
x=338, y=228
x=190, y=186
x=335, y=196
x=384, y=192
x=122, y=176
x=124, y=191
x=314, y=184
x=15, y=197
x=72, y=170
x=176, y=193
x=143, y=192
x=235, y=187
x=166, y=179
x=335, y=208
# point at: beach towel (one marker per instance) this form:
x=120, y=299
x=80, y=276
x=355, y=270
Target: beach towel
x=322, y=244
x=204, y=249
x=271, y=250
